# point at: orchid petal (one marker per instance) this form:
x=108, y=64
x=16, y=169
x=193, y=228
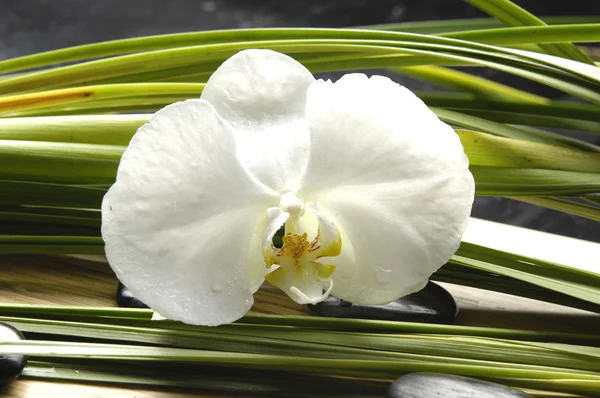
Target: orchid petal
x=393, y=178
x=262, y=94
x=269, y=224
x=179, y=220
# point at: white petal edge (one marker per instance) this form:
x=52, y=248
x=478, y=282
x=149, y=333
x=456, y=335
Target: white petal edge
x=262, y=94
x=178, y=222
x=394, y=179
x=265, y=230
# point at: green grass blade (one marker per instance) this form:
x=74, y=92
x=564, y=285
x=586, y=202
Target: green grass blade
x=59, y=162
x=578, y=283
x=9, y=105
x=51, y=245
x=460, y=25
x=108, y=130
x=570, y=77
x=495, y=353
x=491, y=127
x=566, y=206
x=499, y=181
x=513, y=15
x=17, y=193
x=232, y=381
x=566, y=109
x=487, y=150
x=142, y=317
x=577, y=383
x=459, y=275
x=462, y=81
x=152, y=43
x=529, y=35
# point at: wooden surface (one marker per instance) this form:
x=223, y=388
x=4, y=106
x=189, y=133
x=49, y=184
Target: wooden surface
x=88, y=280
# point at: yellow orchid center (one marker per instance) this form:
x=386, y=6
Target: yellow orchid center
x=297, y=271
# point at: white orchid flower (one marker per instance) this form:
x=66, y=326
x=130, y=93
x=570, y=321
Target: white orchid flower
x=373, y=189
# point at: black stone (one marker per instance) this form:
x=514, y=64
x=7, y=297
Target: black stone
x=432, y=385
x=11, y=366
x=128, y=300
x=433, y=304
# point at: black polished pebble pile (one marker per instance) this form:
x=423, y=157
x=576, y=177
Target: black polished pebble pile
x=128, y=300
x=11, y=366
x=432, y=385
x=432, y=304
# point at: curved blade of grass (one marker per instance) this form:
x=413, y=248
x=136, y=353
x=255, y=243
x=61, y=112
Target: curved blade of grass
x=529, y=35
x=536, y=120
x=595, y=199
x=572, y=281
x=578, y=209
x=491, y=127
x=151, y=43
x=581, y=383
x=133, y=317
x=462, y=81
x=500, y=181
x=111, y=130
x=513, y=15
x=459, y=25
x=565, y=109
x=58, y=162
x=487, y=150
x=458, y=275
x=17, y=193
x=336, y=345
x=51, y=244
x=370, y=41
x=572, y=142
x=64, y=97
x=34, y=229
x=201, y=378
x=27, y=217
x=133, y=105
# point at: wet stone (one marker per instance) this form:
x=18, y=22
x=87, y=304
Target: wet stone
x=128, y=300
x=11, y=366
x=432, y=385
x=433, y=304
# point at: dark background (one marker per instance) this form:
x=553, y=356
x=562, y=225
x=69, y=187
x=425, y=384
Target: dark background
x=29, y=26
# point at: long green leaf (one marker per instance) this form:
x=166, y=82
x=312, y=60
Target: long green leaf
x=513, y=15
x=462, y=81
x=529, y=35
x=329, y=41
x=152, y=43
x=142, y=317
x=499, y=181
x=232, y=381
x=65, y=97
x=109, y=130
x=487, y=150
x=544, y=379
x=58, y=162
x=571, y=281
x=51, y=244
x=460, y=25
x=17, y=193
x=494, y=128
x=495, y=353
x=578, y=209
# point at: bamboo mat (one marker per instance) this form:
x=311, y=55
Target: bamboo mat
x=88, y=280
